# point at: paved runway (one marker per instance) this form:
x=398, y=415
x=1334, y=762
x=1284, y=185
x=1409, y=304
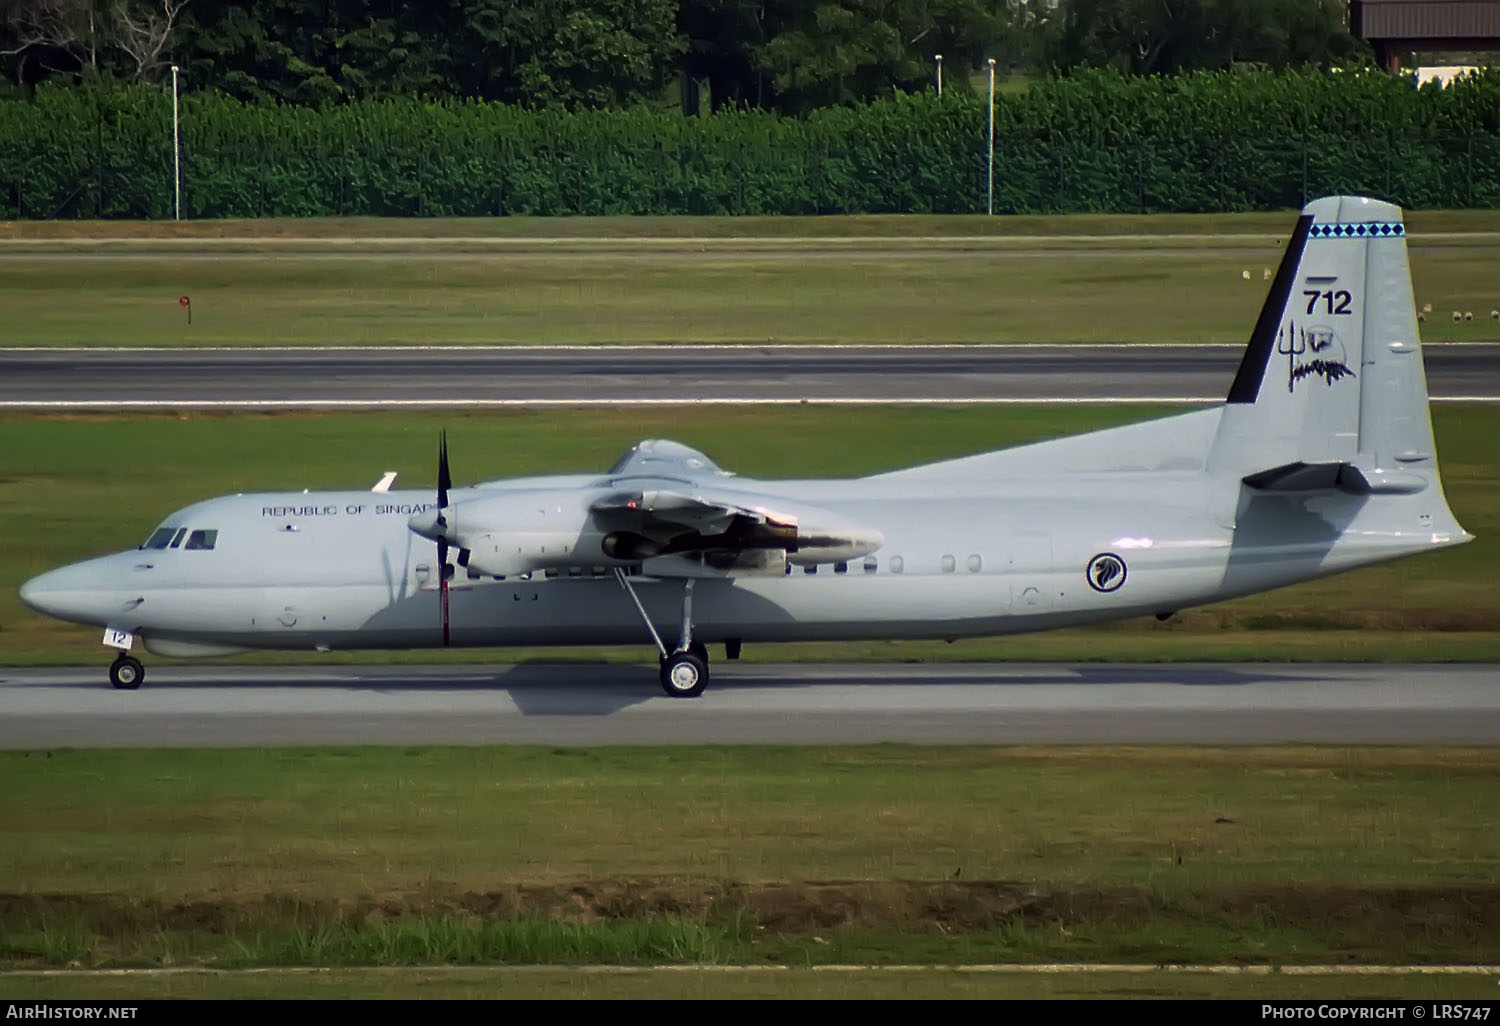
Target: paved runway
x=670, y=373
x=760, y=704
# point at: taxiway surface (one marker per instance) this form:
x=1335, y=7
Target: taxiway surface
x=478, y=376
x=593, y=704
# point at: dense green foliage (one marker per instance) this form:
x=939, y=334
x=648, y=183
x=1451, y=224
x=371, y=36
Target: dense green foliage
x=1152, y=36
x=785, y=55
x=578, y=53
x=1095, y=141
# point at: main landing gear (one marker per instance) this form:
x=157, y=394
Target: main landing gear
x=126, y=672
x=684, y=674
x=684, y=671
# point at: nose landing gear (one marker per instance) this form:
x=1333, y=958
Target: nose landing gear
x=126, y=672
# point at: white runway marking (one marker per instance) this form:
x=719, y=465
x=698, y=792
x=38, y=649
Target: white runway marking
x=375, y=404
x=655, y=347
x=655, y=375
x=378, y=404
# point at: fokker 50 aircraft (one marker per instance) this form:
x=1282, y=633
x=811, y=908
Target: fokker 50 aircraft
x=1320, y=460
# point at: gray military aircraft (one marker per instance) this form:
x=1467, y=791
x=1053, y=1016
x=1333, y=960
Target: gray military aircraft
x=1321, y=460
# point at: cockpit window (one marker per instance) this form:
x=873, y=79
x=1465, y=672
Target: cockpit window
x=160, y=538
x=177, y=538
x=202, y=540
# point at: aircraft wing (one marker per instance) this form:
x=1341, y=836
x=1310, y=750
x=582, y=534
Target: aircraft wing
x=663, y=505
x=656, y=516
x=647, y=517
x=666, y=499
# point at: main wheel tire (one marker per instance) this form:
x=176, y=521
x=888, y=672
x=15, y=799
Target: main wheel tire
x=684, y=675
x=126, y=673
x=699, y=649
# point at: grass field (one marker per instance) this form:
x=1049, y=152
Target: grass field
x=796, y=983
x=753, y=280
x=72, y=486
x=786, y=856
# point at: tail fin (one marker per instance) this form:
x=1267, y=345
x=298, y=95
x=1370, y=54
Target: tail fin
x=1333, y=375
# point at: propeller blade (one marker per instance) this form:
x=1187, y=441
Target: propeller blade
x=443, y=587
x=444, y=482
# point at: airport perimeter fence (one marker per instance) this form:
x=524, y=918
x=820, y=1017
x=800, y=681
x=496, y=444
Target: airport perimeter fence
x=1089, y=143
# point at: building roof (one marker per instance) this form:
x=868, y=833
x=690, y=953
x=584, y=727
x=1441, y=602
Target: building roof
x=1425, y=19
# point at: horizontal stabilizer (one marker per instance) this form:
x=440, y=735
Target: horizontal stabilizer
x=1297, y=477
x=1344, y=477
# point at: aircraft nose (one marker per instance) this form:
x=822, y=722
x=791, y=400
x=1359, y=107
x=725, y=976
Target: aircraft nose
x=41, y=593
x=87, y=592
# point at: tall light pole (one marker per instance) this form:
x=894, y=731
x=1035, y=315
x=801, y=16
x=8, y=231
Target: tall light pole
x=991, y=183
x=939, y=58
x=176, y=154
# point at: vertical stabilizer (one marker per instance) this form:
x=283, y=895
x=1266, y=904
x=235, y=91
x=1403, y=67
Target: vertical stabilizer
x=1333, y=372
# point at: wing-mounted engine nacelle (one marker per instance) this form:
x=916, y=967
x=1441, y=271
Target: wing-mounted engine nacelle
x=629, y=546
x=517, y=533
x=664, y=519
x=517, y=552
x=522, y=532
x=738, y=534
x=836, y=542
x=813, y=535
x=718, y=563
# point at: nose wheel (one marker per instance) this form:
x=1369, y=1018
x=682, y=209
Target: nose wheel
x=126, y=672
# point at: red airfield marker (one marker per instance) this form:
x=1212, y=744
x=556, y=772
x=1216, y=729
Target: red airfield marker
x=184, y=301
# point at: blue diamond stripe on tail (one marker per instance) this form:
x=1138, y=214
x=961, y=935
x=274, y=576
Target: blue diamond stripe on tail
x=1362, y=230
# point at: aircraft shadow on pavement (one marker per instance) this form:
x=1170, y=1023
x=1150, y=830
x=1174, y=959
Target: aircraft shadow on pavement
x=599, y=689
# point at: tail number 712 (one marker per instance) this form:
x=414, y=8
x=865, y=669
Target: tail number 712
x=1334, y=302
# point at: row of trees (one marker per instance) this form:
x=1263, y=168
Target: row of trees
x=787, y=55
x=1094, y=141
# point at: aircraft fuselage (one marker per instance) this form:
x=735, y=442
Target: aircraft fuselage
x=341, y=570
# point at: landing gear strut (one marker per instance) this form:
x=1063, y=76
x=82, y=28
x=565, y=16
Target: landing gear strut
x=126, y=672
x=684, y=670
